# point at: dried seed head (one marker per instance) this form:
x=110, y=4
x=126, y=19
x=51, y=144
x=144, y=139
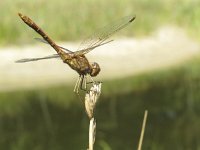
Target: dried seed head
x=91, y=98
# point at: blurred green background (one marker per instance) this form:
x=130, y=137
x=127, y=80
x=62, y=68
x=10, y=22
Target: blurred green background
x=72, y=20
x=53, y=118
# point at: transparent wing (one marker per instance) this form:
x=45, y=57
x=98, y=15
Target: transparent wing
x=100, y=37
x=43, y=41
x=48, y=57
x=84, y=51
x=36, y=59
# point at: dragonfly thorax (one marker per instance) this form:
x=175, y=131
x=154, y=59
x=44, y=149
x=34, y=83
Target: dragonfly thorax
x=95, y=69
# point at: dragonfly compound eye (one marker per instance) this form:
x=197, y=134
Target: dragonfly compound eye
x=95, y=69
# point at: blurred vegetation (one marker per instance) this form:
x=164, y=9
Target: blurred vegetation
x=54, y=118
x=76, y=19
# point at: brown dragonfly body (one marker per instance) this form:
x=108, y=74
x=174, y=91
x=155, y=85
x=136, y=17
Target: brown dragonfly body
x=77, y=60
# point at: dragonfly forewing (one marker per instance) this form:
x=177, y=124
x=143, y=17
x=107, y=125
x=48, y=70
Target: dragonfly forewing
x=85, y=51
x=103, y=34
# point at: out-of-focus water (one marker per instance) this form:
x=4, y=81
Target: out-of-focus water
x=55, y=119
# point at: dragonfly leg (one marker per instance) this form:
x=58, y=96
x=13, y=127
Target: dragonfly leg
x=91, y=80
x=83, y=83
x=77, y=85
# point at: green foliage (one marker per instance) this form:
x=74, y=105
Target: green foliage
x=75, y=20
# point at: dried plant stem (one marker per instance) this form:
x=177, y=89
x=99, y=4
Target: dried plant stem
x=92, y=132
x=143, y=130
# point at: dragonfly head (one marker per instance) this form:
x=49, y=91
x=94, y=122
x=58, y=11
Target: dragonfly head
x=95, y=69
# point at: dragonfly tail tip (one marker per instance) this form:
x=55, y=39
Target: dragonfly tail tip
x=20, y=14
x=133, y=18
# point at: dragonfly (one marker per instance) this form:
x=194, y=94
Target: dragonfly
x=77, y=59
